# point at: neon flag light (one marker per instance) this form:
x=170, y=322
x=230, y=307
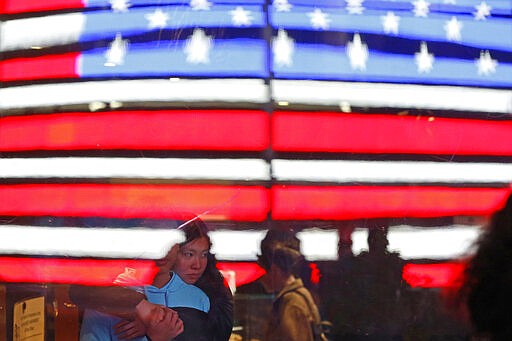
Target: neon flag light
x=250, y=112
x=358, y=202
x=135, y=201
x=164, y=130
x=442, y=275
x=75, y=271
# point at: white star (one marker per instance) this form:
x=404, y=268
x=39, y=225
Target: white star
x=424, y=60
x=452, y=29
x=157, y=19
x=453, y=2
x=357, y=52
x=486, y=65
x=282, y=5
x=119, y=5
x=319, y=19
x=117, y=51
x=390, y=22
x=283, y=48
x=421, y=8
x=355, y=6
x=200, y=5
x=198, y=46
x=241, y=17
x=482, y=11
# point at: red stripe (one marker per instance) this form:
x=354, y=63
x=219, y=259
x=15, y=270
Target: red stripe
x=135, y=201
x=353, y=202
x=104, y=272
x=245, y=272
x=20, y=6
x=433, y=275
x=75, y=271
x=45, y=67
x=247, y=203
x=235, y=130
x=363, y=133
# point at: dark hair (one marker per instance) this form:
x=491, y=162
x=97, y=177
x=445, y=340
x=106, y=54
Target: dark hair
x=220, y=316
x=284, y=257
x=488, y=278
x=284, y=238
x=194, y=228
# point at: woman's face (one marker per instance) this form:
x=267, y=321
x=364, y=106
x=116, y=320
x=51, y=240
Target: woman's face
x=192, y=259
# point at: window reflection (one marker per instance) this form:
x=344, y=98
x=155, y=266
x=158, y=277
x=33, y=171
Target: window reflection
x=376, y=133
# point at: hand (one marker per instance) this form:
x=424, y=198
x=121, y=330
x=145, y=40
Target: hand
x=162, y=324
x=127, y=330
x=167, y=328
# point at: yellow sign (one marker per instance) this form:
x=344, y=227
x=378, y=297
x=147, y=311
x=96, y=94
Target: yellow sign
x=29, y=320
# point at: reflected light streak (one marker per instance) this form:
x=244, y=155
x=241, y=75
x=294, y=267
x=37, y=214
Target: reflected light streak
x=72, y=271
x=88, y=242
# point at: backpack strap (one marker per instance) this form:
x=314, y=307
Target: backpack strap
x=316, y=324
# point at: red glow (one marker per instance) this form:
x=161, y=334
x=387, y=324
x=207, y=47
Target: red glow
x=433, y=275
x=19, y=6
x=374, y=134
x=356, y=202
x=72, y=271
x=249, y=203
x=315, y=273
x=51, y=66
x=245, y=272
x=233, y=130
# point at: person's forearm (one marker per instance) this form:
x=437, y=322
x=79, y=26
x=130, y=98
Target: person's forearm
x=111, y=300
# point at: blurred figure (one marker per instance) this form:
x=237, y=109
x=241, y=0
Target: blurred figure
x=487, y=287
x=335, y=287
x=295, y=316
x=362, y=296
x=254, y=300
x=378, y=272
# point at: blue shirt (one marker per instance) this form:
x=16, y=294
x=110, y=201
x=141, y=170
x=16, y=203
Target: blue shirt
x=98, y=326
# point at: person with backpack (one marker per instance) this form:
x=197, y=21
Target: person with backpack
x=294, y=315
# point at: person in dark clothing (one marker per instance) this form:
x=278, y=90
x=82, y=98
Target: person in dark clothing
x=254, y=300
x=486, y=290
x=197, y=267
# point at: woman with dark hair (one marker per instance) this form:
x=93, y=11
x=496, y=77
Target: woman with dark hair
x=194, y=264
x=211, y=281
x=487, y=287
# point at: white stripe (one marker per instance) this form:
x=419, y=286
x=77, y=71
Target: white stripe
x=236, y=245
x=147, y=168
x=346, y=95
x=215, y=90
x=450, y=242
x=391, y=172
x=317, y=244
x=88, y=242
x=41, y=32
x=440, y=243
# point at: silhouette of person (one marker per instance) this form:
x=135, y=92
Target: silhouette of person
x=361, y=296
x=487, y=290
